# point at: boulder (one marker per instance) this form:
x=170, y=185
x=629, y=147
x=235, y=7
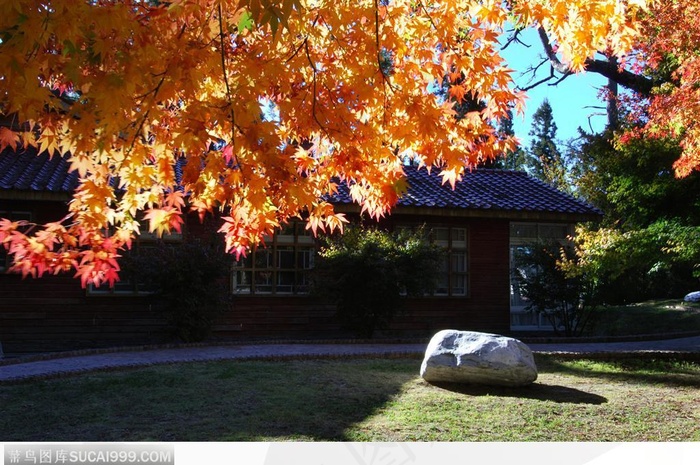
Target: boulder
x=478, y=358
x=692, y=297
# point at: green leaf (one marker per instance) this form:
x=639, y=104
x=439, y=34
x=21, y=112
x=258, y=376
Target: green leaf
x=246, y=22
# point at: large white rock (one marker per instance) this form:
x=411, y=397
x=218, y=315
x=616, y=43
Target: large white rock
x=478, y=358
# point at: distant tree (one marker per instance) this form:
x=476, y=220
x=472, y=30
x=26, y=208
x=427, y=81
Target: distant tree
x=545, y=161
x=658, y=261
x=646, y=245
x=634, y=183
x=514, y=159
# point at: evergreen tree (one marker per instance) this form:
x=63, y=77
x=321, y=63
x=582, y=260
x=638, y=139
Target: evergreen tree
x=646, y=247
x=514, y=159
x=544, y=160
x=634, y=182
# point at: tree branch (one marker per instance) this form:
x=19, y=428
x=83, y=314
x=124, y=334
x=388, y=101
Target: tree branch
x=515, y=37
x=638, y=83
x=229, y=95
x=609, y=69
x=313, y=102
x=551, y=54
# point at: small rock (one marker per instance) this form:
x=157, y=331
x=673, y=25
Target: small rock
x=478, y=358
x=692, y=297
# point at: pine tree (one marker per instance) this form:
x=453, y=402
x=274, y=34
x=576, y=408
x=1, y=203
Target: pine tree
x=513, y=159
x=544, y=160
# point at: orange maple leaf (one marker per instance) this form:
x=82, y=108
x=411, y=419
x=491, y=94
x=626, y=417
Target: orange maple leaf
x=8, y=138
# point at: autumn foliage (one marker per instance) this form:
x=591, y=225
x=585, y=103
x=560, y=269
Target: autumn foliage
x=267, y=104
x=670, y=43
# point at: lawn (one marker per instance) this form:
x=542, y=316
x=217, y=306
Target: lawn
x=356, y=400
x=651, y=317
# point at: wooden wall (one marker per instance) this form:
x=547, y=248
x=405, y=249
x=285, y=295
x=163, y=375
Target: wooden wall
x=54, y=313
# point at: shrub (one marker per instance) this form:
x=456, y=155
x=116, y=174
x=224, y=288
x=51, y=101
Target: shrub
x=659, y=261
x=367, y=272
x=187, y=281
x=567, y=299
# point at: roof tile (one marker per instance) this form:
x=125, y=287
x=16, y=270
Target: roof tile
x=483, y=189
x=480, y=189
x=24, y=170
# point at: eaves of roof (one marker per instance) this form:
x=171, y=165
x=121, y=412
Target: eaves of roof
x=481, y=192
x=26, y=175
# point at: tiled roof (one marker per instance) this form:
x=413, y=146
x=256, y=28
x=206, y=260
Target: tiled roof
x=481, y=189
x=484, y=189
x=25, y=171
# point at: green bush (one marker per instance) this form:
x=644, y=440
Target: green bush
x=566, y=299
x=187, y=281
x=659, y=261
x=367, y=273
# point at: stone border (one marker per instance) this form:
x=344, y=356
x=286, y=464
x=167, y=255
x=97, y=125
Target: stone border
x=625, y=355
x=606, y=339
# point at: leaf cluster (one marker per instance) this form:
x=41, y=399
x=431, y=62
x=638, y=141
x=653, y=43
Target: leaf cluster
x=187, y=281
x=368, y=272
x=130, y=91
x=566, y=299
x=657, y=261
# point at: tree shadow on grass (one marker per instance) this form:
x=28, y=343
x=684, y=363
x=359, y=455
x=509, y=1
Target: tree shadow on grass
x=536, y=391
x=214, y=401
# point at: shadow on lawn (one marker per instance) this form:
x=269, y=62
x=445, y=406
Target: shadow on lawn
x=217, y=401
x=536, y=391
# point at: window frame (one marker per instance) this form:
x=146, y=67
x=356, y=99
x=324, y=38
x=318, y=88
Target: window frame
x=143, y=240
x=266, y=261
x=517, y=304
x=455, y=245
x=450, y=251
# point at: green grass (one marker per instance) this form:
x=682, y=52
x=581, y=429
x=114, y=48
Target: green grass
x=652, y=317
x=358, y=400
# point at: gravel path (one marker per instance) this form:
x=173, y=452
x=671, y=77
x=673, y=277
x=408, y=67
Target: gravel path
x=57, y=365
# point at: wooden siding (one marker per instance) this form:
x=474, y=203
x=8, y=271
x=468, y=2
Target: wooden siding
x=487, y=305
x=54, y=313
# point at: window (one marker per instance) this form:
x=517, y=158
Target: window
x=12, y=216
x=454, y=272
x=280, y=266
x=131, y=286
x=522, y=235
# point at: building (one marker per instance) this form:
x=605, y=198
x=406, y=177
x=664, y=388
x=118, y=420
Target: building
x=488, y=215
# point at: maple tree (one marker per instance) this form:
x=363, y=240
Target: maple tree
x=128, y=89
x=670, y=47
x=662, y=70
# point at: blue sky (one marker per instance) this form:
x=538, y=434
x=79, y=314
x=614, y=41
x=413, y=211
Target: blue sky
x=569, y=99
